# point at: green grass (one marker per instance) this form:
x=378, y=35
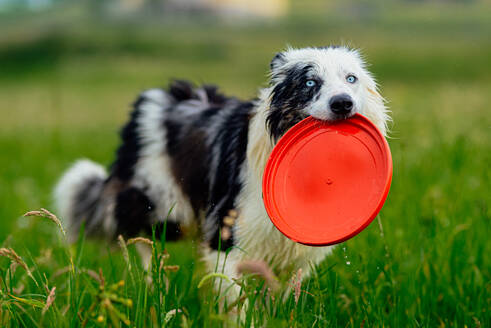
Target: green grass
x=65, y=93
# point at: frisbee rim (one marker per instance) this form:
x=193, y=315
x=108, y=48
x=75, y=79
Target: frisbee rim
x=297, y=133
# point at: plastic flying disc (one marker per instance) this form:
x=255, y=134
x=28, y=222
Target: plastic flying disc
x=324, y=182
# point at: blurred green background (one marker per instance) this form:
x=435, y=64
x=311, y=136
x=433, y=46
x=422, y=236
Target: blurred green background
x=69, y=71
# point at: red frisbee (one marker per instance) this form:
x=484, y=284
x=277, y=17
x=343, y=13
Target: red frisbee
x=324, y=182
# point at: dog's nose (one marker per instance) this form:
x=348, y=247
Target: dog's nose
x=341, y=104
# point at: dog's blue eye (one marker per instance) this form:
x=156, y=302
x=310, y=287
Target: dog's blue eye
x=351, y=79
x=310, y=83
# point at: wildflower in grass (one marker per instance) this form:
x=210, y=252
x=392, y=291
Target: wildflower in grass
x=106, y=301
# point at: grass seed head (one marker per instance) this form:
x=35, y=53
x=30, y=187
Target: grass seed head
x=48, y=215
x=12, y=255
x=171, y=268
x=124, y=249
x=91, y=273
x=139, y=240
x=49, y=300
x=297, y=285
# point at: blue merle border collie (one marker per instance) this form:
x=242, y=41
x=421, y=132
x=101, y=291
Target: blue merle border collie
x=202, y=154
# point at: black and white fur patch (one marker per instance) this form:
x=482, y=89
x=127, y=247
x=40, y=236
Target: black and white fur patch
x=191, y=154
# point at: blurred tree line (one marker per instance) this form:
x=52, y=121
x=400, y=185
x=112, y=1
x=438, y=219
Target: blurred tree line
x=101, y=7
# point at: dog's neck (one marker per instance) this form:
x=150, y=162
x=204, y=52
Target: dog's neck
x=260, y=144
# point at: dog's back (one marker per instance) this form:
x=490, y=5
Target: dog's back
x=180, y=158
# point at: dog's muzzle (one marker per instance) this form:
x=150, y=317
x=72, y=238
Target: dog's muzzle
x=341, y=104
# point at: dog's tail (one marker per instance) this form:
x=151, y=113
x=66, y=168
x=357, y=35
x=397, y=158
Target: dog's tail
x=79, y=197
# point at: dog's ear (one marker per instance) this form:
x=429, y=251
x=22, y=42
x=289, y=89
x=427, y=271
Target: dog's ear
x=375, y=109
x=278, y=60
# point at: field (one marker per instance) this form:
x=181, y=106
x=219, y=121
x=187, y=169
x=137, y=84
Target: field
x=66, y=85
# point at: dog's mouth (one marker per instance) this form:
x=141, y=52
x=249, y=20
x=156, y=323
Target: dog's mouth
x=334, y=117
x=331, y=118
x=340, y=117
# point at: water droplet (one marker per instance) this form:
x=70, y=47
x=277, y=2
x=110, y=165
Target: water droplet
x=348, y=263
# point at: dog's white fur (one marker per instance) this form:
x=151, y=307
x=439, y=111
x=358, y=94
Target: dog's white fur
x=254, y=233
x=257, y=237
x=66, y=187
x=153, y=165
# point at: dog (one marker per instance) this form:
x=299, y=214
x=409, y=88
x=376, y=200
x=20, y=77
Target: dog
x=191, y=154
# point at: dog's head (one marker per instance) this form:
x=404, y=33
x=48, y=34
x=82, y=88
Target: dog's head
x=329, y=83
